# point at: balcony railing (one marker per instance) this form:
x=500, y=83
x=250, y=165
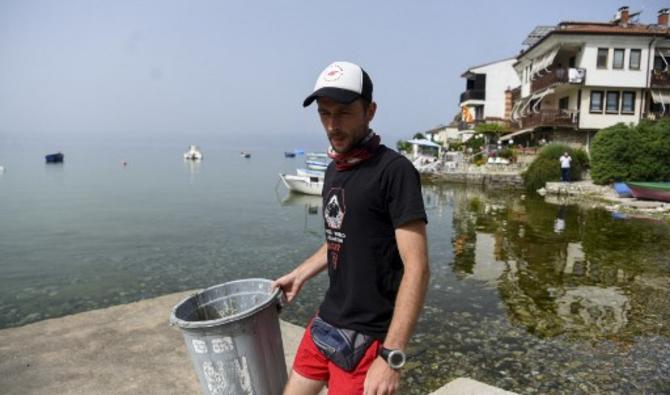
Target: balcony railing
x=549, y=118
x=558, y=76
x=473, y=94
x=660, y=79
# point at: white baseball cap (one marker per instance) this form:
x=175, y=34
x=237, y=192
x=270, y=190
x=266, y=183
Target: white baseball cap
x=343, y=82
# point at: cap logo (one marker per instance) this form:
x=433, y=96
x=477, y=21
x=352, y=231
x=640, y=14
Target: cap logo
x=334, y=74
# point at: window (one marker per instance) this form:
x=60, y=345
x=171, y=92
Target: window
x=628, y=103
x=603, y=53
x=617, y=62
x=563, y=103
x=612, y=106
x=596, y=101
x=634, y=60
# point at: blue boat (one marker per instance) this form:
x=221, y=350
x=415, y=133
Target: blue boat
x=289, y=154
x=622, y=190
x=55, y=158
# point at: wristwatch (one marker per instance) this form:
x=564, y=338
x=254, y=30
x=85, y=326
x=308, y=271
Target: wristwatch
x=395, y=358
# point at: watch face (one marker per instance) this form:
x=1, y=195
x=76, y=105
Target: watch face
x=396, y=359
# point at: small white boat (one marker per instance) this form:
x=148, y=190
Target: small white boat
x=245, y=154
x=193, y=153
x=2, y=169
x=309, y=173
x=322, y=156
x=303, y=184
x=316, y=165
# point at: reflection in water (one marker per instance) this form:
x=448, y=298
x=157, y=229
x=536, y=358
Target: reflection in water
x=563, y=270
x=312, y=204
x=193, y=169
x=592, y=309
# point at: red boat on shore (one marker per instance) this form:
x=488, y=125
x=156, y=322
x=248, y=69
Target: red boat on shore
x=659, y=191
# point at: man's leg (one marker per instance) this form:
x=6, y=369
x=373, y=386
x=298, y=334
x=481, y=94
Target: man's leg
x=310, y=369
x=299, y=385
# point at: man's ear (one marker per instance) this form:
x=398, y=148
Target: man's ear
x=372, y=109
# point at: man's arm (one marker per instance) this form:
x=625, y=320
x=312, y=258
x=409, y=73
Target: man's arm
x=292, y=282
x=412, y=245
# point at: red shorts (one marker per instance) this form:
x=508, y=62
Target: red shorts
x=311, y=364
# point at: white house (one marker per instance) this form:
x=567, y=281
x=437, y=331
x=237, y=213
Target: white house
x=484, y=95
x=579, y=77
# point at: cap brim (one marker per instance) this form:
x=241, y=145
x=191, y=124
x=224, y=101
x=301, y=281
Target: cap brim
x=337, y=94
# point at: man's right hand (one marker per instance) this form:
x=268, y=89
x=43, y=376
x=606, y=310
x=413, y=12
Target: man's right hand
x=290, y=284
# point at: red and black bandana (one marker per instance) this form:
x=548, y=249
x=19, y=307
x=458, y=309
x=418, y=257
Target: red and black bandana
x=362, y=151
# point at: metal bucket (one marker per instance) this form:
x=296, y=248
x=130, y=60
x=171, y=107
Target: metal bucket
x=232, y=334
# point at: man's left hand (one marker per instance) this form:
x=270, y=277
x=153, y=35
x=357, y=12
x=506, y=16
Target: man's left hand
x=381, y=379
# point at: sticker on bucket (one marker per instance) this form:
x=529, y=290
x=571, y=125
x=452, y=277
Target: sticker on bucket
x=218, y=376
x=222, y=344
x=199, y=346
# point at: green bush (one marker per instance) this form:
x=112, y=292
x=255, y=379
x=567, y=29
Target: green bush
x=547, y=167
x=508, y=153
x=476, y=143
x=639, y=153
x=403, y=146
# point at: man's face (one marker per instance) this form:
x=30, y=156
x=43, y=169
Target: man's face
x=345, y=124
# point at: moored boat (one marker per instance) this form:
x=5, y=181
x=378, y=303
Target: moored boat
x=302, y=184
x=316, y=165
x=317, y=155
x=659, y=191
x=193, y=153
x=622, y=189
x=55, y=158
x=309, y=173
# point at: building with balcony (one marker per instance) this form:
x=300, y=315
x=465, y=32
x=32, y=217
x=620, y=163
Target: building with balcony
x=484, y=97
x=579, y=77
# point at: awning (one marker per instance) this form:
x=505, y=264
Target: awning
x=517, y=133
x=539, y=97
x=665, y=56
x=540, y=64
x=660, y=97
x=522, y=110
x=518, y=107
x=424, y=143
x=515, y=107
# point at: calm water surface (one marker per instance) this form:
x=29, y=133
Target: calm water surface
x=528, y=296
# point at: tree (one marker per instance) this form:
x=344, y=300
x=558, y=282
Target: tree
x=636, y=153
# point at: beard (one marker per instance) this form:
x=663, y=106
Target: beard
x=342, y=142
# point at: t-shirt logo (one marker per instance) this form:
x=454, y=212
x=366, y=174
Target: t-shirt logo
x=334, y=210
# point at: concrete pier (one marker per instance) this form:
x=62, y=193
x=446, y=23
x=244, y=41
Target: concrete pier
x=125, y=349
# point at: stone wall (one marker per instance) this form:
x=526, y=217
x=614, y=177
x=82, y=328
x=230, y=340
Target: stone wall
x=493, y=180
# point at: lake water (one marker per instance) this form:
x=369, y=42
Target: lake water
x=525, y=295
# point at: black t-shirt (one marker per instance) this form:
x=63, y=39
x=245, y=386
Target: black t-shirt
x=362, y=207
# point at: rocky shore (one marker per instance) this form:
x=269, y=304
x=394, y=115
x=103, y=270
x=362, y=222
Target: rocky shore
x=587, y=194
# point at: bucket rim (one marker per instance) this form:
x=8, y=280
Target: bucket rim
x=183, y=324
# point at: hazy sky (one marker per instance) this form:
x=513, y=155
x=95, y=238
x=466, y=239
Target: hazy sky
x=187, y=71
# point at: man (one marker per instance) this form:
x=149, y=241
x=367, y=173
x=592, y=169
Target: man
x=565, y=160
x=375, y=249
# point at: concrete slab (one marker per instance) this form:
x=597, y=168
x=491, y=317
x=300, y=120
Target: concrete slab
x=466, y=386
x=126, y=349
